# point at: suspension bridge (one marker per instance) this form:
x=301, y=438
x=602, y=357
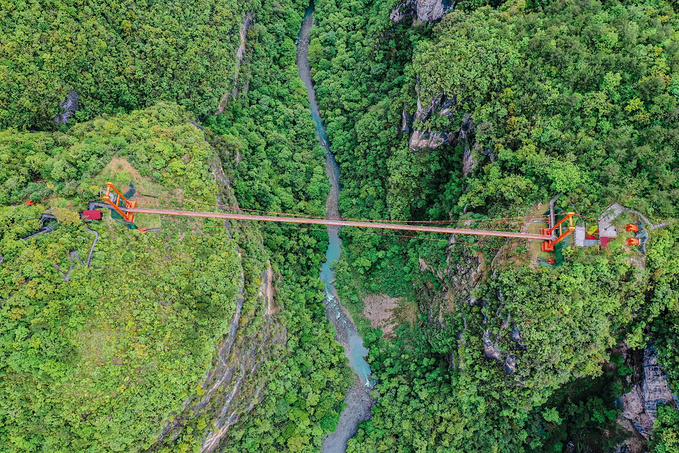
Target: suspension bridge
x=340, y=223
x=550, y=236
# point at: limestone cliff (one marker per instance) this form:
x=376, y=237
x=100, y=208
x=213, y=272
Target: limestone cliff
x=421, y=10
x=423, y=139
x=640, y=405
x=69, y=106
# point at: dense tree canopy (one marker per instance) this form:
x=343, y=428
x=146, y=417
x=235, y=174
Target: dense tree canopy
x=557, y=96
x=571, y=97
x=578, y=98
x=160, y=142
x=117, y=56
x=265, y=144
x=101, y=355
x=73, y=352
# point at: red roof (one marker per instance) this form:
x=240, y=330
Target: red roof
x=92, y=215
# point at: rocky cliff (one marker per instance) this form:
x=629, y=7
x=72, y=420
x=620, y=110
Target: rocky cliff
x=421, y=10
x=234, y=384
x=423, y=139
x=69, y=106
x=640, y=405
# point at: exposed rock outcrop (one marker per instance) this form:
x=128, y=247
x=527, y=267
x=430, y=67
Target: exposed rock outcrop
x=406, y=121
x=421, y=10
x=640, y=405
x=69, y=106
x=633, y=403
x=234, y=383
x=468, y=162
x=654, y=387
x=463, y=275
x=510, y=364
x=465, y=128
x=431, y=140
x=441, y=104
x=248, y=20
x=422, y=140
x=428, y=141
x=490, y=349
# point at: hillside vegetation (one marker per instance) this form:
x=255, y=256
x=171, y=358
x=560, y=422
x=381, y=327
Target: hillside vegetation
x=206, y=336
x=117, y=56
x=579, y=98
x=102, y=355
x=137, y=353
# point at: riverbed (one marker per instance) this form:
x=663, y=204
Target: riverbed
x=358, y=400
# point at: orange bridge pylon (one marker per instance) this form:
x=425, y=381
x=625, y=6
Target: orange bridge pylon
x=548, y=246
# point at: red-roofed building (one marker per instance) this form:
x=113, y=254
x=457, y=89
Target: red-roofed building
x=92, y=215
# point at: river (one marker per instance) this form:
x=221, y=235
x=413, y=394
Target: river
x=358, y=400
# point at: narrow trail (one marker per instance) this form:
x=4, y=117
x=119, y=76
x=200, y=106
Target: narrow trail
x=96, y=238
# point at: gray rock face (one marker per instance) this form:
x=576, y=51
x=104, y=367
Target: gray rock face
x=69, y=106
x=432, y=10
x=421, y=10
x=633, y=403
x=240, y=53
x=425, y=140
x=441, y=104
x=516, y=335
x=490, y=350
x=510, y=364
x=640, y=405
x=654, y=387
x=401, y=12
x=406, y=121
x=428, y=140
x=468, y=162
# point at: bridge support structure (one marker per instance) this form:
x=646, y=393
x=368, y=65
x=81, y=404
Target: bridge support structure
x=115, y=199
x=548, y=246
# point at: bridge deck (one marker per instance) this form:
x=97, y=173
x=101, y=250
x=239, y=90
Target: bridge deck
x=341, y=223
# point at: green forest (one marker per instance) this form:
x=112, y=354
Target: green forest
x=200, y=335
x=571, y=97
